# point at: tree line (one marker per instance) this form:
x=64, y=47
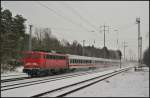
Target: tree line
x=13, y=40
x=146, y=57
x=45, y=41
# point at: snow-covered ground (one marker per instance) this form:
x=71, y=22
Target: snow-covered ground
x=128, y=84
x=47, y=86
x=18, y=70
x=17, y=73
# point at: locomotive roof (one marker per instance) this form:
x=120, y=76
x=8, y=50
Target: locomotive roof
x=41, y=52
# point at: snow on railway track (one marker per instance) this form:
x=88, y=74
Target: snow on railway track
x=61, y=92
x=43, y=88
x=34, y=81
x=15, y=77
x=27, y=81
x=9, y=75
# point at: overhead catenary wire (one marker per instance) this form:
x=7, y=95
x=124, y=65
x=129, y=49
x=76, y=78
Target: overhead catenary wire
x=60, y=15
x=82, y=18
x=79, y=15
x=69, y=19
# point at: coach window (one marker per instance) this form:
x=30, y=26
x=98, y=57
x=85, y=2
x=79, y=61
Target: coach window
x=70, y=61
x=46, y=56
x=60, y=57
x=53, y=57
x=49, y=56
x=84, y=61
x=63, y=57
x=56, y=57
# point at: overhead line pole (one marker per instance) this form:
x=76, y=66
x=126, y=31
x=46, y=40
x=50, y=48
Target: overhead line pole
x=124, y=45
x=117, y=41
x=83, y=47
x=104, y=30
x=139, y=42
x=30, y=38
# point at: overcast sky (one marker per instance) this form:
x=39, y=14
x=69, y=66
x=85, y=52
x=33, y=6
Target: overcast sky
x=81, y=20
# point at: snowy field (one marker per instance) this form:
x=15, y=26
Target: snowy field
x=18, y=70
x=127, y=84
x=51, y=85
x=17, y=73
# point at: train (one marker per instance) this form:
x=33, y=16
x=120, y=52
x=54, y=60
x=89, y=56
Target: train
x=37, y=63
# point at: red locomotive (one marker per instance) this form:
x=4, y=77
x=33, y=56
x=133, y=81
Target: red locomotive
x=40, y=63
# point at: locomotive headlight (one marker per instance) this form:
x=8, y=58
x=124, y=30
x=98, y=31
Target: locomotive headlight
x=34, y=64
x=30, y=64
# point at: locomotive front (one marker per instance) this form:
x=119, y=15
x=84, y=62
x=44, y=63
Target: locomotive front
x=33, y=62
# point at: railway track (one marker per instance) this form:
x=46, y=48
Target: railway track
x=39, y=81
x=63, y=91
x=67, y=88
x=15, y=77
x=10, y=85
x=12, y=75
